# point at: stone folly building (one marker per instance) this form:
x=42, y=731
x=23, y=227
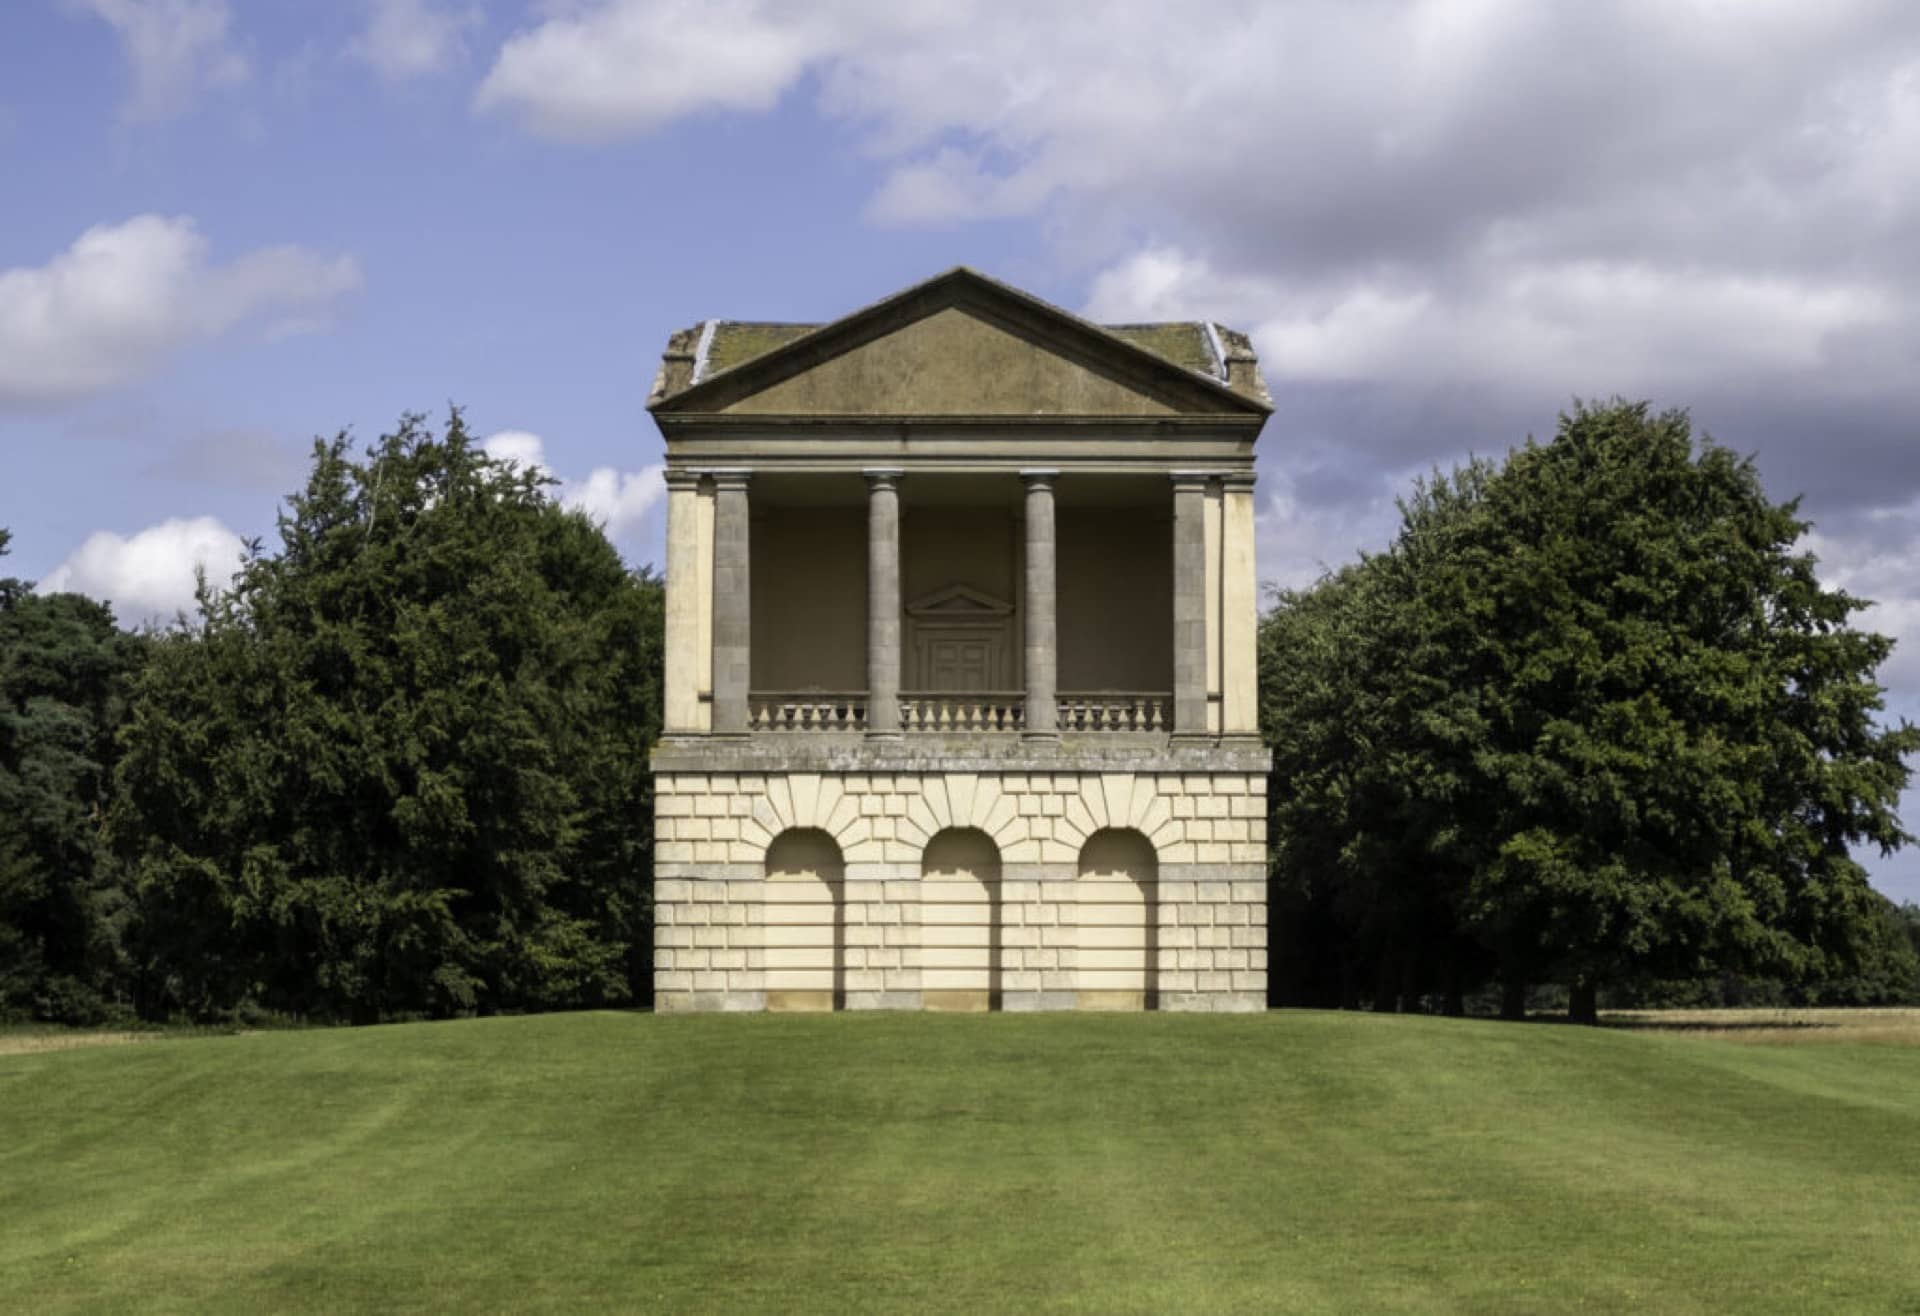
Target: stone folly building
x=960, y=689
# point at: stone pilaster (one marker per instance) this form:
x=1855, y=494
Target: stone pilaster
x=1189, y=604
x=883, y=603
x=682, y=658
x=1042, y=631
x=1240, y=611
x=732, y=611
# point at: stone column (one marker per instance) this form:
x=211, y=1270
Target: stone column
x=1189, y=604
x=732, y=614
x=883, y=603
x=682, y=658
x=1042, y=640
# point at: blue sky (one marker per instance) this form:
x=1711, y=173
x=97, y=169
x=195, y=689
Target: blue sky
x=229, y=225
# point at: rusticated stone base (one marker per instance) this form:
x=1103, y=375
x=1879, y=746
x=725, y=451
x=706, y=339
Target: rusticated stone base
x=1171, y=915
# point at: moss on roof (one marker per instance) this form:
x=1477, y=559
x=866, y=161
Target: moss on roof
x=1182, y=342
x=737, y=341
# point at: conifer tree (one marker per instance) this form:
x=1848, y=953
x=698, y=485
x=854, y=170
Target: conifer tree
x=400, y=767
x=64, y=672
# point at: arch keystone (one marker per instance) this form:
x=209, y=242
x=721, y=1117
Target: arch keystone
x=806, y=798
x=1117, y=787
x=960, y=791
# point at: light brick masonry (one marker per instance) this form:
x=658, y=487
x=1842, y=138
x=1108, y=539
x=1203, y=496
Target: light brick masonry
x=1050, y=926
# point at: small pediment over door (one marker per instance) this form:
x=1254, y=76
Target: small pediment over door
x=957, y=605
x=960, y=640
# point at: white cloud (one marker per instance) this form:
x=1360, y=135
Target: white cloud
x=124, y=297
x=528, y=450
x=1406, y=191
x=149, y=576
x=1636, y=327
x=619, y=501
x=411, y=38
x=593, y=72
x=177, y=48
x=1297, y=539
x=1879, y=559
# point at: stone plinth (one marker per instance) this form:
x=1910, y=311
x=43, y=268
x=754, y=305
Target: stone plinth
x=1183, y=928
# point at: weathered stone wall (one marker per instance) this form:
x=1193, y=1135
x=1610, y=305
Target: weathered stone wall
x=1061, y=940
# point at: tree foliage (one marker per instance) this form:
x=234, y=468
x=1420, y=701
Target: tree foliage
x=1592, y=717
x=64, y=672
x=400, y=767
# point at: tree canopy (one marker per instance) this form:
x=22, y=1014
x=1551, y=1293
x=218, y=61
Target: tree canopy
x=400, y=766
x=64, y=672
x=1591, y=717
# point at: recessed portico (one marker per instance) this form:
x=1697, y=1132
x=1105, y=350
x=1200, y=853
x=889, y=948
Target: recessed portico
x=891, y=604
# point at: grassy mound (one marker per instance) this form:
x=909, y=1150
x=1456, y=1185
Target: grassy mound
x=1150, y=1163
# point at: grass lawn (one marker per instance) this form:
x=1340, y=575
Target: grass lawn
x=1295, y=1161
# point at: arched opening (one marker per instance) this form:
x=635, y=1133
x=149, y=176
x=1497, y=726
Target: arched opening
x=1118, y=903
x=805, y=913
x=960, y=921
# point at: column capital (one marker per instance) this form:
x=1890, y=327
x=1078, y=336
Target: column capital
x=1192, y=479
x=1238, y=479
x=1040, y=475
x=680, y=477
x=729, y=477
x=882, y=477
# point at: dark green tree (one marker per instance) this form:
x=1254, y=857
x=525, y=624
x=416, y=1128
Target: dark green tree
x=400, y=767
x=64, y=673
x=1596, y=707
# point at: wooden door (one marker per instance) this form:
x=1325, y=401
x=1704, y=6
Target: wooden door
x=961, y=664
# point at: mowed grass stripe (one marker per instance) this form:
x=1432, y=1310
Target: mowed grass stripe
x=1299, y=1160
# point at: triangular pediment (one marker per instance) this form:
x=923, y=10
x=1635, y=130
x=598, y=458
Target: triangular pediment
x=960, y=345
x=958, y=603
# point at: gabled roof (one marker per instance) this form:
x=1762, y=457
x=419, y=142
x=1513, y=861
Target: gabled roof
x=1189, y=366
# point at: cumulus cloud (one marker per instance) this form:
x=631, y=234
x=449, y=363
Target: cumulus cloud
x=124, y=297
x=619, y=501
x=175, y=48
x=1532, y=201
x=1878, y=558
x=412, y=38
x=149, y=576
x=604, y=71
x=517, y=446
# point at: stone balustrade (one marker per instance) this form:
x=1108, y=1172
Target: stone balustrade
x=812, y=711
x=963, y=711
x=1115, y=710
